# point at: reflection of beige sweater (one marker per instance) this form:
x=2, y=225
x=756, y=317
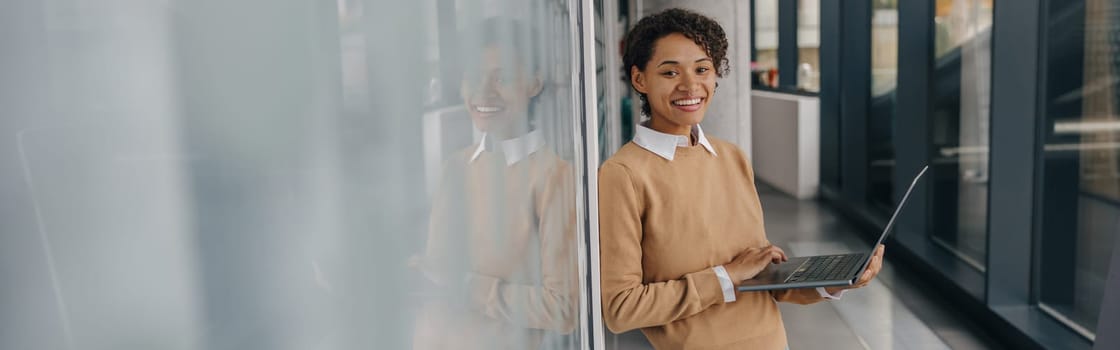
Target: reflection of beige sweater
x=501, y=245
x=663, y=225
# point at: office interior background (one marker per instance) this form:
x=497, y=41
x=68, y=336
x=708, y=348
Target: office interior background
x=256, y=174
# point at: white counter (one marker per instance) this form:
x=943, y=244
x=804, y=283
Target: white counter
x=785, y=141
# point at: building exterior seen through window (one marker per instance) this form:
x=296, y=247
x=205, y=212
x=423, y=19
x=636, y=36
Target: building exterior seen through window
x=765, y=22
x=880, y=119
x=960, y=85
x=1080, y=159
x=808, y=45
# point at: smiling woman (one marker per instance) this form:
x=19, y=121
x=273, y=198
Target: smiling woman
x=502, y=229
x=501, y=78
x=677, y=91
x=684, y=53
x=680, y=221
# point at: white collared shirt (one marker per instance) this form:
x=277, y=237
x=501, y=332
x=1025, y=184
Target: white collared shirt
x=665, y=146
x=516, y=149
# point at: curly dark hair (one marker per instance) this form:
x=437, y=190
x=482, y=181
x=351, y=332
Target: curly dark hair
x=639, y=42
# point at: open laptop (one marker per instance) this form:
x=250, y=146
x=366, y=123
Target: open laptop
x=822, y=270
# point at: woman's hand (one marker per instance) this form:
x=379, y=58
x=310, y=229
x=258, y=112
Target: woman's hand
x=869, y=274
x=751, y=261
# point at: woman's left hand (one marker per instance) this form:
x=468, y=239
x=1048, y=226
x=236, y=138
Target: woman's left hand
x=869, y=274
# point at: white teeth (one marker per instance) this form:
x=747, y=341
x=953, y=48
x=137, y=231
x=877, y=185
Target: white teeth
x=486, y=109
x=687, y=102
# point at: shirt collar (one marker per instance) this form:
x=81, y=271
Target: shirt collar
x=515, y=149
x=665, y=145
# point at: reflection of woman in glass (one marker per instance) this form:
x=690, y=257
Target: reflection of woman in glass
x=501, y=233
x=679, y=218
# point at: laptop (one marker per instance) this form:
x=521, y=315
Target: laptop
x=822, y=270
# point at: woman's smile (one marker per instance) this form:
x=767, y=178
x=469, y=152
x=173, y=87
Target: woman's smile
x=689, y=104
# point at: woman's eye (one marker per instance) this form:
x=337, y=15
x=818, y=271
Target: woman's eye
x=669, y=74
x=702, y=70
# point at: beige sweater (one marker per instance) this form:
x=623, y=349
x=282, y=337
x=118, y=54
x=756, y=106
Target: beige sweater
x=663, y=226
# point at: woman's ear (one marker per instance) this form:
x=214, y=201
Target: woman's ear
x=638, y=79
x=464, y=90
x=536, y=84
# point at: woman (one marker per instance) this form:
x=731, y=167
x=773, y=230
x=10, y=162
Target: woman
x=679, y=218
x=501, y=233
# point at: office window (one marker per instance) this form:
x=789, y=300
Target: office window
x=1080, y=207
x=960, y=96
x=765, y=22
x=808, y=45
x=880, y=120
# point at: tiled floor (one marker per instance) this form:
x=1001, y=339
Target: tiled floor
x=891, y=313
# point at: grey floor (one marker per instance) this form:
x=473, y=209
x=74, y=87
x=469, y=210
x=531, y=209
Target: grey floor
x=891, y=313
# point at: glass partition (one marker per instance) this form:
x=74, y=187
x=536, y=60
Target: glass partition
x=350, y=174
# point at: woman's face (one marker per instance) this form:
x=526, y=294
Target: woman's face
x=678, y=82
x=497, y=92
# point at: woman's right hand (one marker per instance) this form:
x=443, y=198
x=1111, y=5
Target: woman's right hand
x=751, y=261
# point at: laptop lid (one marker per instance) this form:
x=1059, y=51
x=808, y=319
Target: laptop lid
x=890, y=223
x=898, y=209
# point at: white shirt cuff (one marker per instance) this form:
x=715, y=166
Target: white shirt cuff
x=725, y=284
x=824, y=294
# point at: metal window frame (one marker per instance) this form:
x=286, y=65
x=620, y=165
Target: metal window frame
x=787, y=44
x=1013, y=171
x=855, y=96
x=830, y=87
x=1007, y=305
x=586, y=142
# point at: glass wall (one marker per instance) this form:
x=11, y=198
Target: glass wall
x=880, y=118
x=349, y=174
x=1080, y=211
x=961, y=77
x=765, y=22
x=808, y=45
x=1014, y=105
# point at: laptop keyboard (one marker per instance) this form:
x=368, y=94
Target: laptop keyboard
x=826, y=268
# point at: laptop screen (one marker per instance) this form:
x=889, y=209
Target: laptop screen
x=898, y=209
